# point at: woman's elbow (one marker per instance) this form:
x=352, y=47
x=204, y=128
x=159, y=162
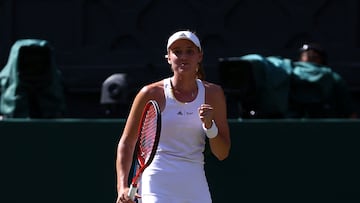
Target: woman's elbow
x=222, y=155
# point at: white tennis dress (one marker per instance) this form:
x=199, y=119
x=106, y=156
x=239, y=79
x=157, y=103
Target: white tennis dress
x=177, y=174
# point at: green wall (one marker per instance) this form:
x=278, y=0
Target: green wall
x=72, y=160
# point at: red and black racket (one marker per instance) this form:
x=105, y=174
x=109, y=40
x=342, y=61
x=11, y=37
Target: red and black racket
x=147, y=143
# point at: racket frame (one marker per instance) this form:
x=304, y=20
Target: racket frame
x=140, y=164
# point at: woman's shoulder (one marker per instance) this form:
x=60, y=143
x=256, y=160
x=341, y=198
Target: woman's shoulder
x=212, y=87
x=153, y=90
x=214, y=93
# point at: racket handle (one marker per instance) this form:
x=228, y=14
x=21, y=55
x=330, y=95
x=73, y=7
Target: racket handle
x=132, y=192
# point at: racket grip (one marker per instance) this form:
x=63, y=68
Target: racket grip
x=132, y=192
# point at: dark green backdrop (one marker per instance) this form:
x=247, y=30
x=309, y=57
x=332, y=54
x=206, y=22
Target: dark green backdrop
x=72, y=161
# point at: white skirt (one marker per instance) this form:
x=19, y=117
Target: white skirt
x=174, y=180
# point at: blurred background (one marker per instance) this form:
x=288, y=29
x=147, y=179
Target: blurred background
x=102, y=51
x=94, y=39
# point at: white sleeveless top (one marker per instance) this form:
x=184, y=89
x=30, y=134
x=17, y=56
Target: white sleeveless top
x=177, y=173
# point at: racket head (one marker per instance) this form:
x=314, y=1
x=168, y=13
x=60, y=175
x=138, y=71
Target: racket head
x=148, y=133
x=148, y=138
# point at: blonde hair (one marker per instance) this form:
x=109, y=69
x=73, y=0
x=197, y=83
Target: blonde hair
x=201, y=72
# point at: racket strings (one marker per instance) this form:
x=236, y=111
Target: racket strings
x=148, y=133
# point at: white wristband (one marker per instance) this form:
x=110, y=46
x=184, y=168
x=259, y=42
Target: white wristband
x=211, y=132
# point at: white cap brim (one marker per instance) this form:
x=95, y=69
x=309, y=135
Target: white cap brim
x=184, y=35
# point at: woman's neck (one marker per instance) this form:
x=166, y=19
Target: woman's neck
x=183, y=84
x=184, y=91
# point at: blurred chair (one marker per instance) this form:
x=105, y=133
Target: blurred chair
x=237, y=79
x=256, y=86
x=115, y=95
x=31, y=85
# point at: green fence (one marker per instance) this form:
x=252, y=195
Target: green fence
x=72, y=161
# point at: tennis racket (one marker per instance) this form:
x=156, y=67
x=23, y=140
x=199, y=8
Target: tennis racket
x=147, y=142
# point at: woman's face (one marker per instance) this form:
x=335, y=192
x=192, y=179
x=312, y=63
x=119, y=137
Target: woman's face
x=184, y=56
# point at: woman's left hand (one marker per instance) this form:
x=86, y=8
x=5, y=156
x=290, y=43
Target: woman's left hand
x=206, y=114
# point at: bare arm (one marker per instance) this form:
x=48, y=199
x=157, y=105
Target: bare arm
x=215, y=109
x=126, y=145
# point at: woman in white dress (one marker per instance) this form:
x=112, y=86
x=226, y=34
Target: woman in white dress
x=192, y=111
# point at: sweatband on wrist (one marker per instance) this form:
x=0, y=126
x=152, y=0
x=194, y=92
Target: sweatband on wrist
x=211, y=132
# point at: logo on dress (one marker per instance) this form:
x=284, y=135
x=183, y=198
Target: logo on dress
x=180, y=113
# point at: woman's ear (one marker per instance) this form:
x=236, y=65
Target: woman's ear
x=168, y=59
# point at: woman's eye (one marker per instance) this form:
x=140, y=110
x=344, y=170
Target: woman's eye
x=190, y=52
x=177, y=52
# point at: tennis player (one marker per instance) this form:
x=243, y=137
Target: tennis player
x=192, y=111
